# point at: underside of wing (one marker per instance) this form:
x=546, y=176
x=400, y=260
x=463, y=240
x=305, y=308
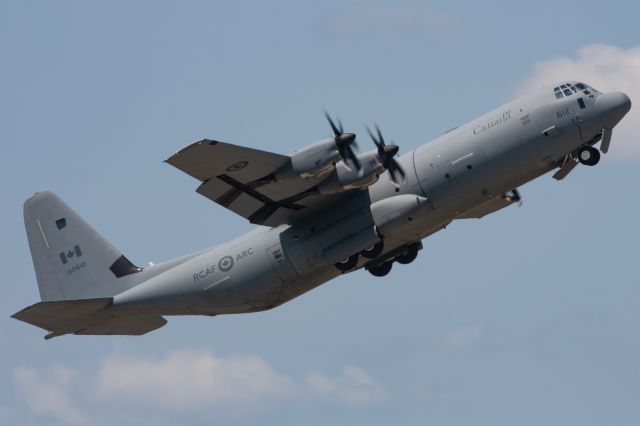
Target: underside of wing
x=243, y=180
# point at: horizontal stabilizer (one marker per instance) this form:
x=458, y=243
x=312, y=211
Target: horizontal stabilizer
x=87, y=317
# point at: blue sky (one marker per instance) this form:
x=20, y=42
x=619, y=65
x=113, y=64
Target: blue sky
x=527, y=317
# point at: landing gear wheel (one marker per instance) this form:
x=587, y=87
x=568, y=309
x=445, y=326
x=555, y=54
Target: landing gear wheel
x=347, y=264
x=373, y=251
x=381, y=270
x=588, y=155
x=410, y=256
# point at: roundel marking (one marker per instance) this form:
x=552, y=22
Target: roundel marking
x=225, y=264
x=237, y=166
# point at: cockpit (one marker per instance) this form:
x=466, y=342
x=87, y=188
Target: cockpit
x=568, y=89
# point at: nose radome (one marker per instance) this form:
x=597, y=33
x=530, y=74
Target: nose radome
x=613, y=106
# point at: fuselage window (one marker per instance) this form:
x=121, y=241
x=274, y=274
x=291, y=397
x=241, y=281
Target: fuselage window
x=581, y=103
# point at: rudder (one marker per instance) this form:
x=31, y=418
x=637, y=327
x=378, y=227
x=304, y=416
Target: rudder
x=72, y=261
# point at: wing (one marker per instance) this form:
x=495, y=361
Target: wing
x=242, y=180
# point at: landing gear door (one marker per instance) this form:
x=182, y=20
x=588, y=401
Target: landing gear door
x=281, y=264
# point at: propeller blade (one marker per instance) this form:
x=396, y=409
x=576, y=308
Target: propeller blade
x=392, y=174
x=351, y=156
x=335, y=129
x=379, y=145
x=606, y=140
x=395, y=167
x=345, y=142
x=400, y=169
x=385, y=156
x=380, y=138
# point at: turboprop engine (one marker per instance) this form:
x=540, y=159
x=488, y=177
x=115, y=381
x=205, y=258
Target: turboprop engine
x=372, y=164
x=320, y=158
x=344, y=177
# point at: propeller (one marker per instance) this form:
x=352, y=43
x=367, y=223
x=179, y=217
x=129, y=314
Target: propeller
x=385, y=156
x=345, y=142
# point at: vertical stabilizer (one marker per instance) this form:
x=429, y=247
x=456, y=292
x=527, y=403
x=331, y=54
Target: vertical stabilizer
x=72, y=261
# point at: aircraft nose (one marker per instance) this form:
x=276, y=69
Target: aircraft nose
x=613, y=106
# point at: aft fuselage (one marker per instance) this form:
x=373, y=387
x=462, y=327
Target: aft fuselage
x=471, y=166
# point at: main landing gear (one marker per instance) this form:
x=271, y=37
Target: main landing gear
x=588, y=155
x=350, y=262
x=373, y=251
x=381, y=270
x=409, y=256
x=403, y=255
x=347, y=264
x=406, y=256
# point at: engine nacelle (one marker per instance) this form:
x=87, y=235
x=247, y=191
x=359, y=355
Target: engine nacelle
x=314, y=160
x=346, y=177
x=394, y=215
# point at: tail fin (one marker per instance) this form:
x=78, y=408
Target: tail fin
x=72, y=261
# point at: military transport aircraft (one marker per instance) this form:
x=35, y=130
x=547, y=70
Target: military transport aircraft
x=325, y=211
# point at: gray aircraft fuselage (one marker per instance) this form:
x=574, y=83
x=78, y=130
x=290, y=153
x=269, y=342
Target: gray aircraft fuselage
x=468, y=169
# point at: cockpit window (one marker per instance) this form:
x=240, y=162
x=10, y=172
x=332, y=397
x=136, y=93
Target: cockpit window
x=569, y=89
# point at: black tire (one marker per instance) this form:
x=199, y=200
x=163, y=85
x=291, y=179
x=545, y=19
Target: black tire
x=347, y=264
x=588, y=155
x=374, y=251
x=409, y=256
x=381, y=270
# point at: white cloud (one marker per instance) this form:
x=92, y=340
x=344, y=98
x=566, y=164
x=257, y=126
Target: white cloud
x=182, y=380
x=464, y=336
x=49, y=397
x=368, y=18
x=188, y=378
x=607, y=68
x=353, y=386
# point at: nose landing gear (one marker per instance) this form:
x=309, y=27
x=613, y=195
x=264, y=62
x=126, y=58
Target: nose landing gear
x=588, y=155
